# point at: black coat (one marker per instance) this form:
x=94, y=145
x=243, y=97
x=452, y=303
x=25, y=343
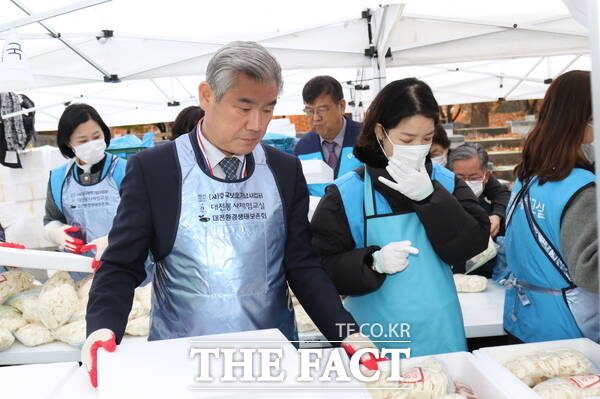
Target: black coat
x=147, y=220
x=456, y=225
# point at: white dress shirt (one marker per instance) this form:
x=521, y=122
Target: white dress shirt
x=213, y=155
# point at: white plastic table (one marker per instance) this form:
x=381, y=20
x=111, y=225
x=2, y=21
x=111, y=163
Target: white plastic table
x=48, y=353
x=482, y=312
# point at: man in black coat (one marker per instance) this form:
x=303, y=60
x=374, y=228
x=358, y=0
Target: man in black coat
x=223, y=151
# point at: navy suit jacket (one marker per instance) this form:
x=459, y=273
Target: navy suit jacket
x=311, y=141
x=147, y=220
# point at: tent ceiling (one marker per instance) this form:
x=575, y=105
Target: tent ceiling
x=171, y=42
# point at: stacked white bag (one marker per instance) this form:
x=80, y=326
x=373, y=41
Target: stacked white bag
x=39, y=314
x=23, y=196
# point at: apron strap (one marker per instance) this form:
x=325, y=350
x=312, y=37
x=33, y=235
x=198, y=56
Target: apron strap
x=368, y=195
x=518, y=198
x=545, y=244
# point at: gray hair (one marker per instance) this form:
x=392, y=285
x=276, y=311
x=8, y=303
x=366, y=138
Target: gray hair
x=248, y=58
x=468, y=151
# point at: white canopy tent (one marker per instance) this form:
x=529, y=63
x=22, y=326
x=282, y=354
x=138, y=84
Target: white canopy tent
x=467, y=50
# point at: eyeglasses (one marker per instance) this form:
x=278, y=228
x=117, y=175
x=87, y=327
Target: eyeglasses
x=319, y=111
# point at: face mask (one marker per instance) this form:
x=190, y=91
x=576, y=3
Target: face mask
x=589, y=152
x=440, y=160
x=476, y=186
x=91, y=152
x=411, y=155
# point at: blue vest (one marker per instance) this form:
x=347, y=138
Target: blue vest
x=423, y=296
x=542, y=302
x=91, y=208
x=58, y=176
x=309, y=148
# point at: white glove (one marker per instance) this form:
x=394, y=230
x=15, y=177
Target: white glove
x=58, y=233
x=415, y=184
x=103, y=338
x=99, y=244
x=393, y=258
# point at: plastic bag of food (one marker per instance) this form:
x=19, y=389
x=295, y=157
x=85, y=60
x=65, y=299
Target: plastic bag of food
x=467, y=283
x=481, y=259
x=13, y=282
x=144, y=296
x=83, y=289
x=425, y=380
x=56, y=304
x=6, y=339
x=26, y=302
x=59, y=278
x=583, y=386
x=139, y=327
x=11, y=319
x=137, y=310
x=72, y=333
x=34, y=334
x=537, y=367
x=464, y=390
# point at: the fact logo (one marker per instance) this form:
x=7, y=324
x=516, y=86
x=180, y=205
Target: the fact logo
x=264, y=365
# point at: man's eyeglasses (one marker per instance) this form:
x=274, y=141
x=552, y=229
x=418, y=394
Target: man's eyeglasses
x=319, y=111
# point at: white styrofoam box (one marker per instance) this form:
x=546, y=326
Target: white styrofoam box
x=27, y=229
x=464, y=367
x=11, y=212
x=316, y=171
x=175, y=370
x=39, y=188
x=17, y=191
x=493, y=358
x=34, y=380
x=312, y=205
x=38, y=206
x=45, y=157
x=282, y=126
x=77, y=386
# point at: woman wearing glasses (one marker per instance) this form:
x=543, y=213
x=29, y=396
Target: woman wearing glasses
x=551, y=239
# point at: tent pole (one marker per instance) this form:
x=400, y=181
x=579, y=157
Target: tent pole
x=594, y=31
x=524, y=77
x=107, y=76
x=55, y=12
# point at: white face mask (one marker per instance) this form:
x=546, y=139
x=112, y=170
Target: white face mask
x=589, y=152
x=441, y=160
x=476, y=186
x=91, y=152
x=411, y=155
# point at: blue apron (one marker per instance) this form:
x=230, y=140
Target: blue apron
x=423, y=295
x=225, y=272
x=346, y=163
x=91, y=208
x=542, y=301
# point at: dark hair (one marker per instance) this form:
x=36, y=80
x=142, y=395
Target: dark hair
x=440, y=137
x=553, y=147
x=397, y=100
x=320, y=85
x=73, y=116
x=468, y=151
x=186, y=121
